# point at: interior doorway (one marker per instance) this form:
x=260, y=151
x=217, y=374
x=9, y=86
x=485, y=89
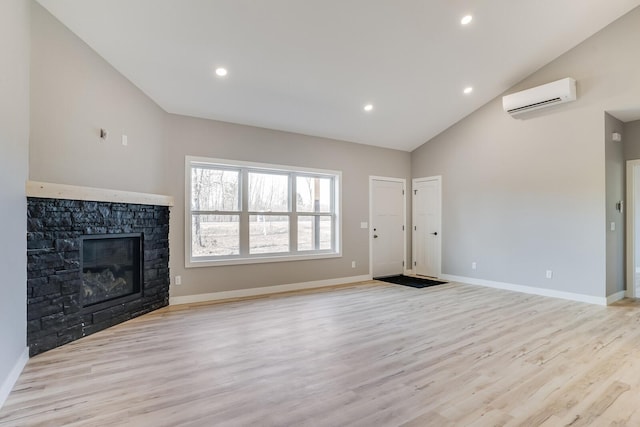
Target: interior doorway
x=387, y=218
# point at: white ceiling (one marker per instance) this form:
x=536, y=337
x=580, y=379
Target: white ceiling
x=309, y=66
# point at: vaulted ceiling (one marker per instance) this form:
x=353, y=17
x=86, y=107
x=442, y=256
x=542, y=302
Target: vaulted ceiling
x=311, y=66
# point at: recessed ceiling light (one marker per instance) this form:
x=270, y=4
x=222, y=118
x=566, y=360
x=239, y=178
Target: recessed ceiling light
x=221, y=72
x=468, y=90
x=466, y=20
x=368, y=107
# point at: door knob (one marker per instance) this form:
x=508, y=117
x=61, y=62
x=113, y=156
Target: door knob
x=435, y=233
x=375, y=236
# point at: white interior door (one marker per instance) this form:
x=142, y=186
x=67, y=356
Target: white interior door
x=427, y=226
x=387, y=227
x=633, y=229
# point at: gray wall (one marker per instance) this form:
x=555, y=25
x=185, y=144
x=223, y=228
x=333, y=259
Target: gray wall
x=615, y=180
x=197, y=137
x=74, y=94
x=14, y=149
x=524, y=196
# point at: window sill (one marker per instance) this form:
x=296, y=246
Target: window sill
x=258, y=260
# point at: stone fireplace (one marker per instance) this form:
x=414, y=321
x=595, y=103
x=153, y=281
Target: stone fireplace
x=95, y=258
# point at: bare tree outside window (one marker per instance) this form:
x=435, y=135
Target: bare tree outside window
x=268, y=192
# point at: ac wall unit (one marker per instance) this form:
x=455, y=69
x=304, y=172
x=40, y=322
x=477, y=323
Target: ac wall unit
x=539, y=97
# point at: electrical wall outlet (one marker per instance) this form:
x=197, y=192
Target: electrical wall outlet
x=178, y=280
x=353, y=264
x=549, y=274
x=474, y=265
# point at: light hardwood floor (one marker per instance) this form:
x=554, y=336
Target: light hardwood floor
x=368, y=355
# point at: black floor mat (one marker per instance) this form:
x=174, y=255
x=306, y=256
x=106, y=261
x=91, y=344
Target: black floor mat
x=414, y=282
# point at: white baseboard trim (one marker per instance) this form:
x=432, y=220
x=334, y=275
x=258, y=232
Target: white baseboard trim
x=527, y=289
x=267, y=290
x=616, y=297
x=10, y=381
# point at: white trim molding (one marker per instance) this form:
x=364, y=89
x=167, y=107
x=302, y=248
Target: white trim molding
x=616, y=297
x=10, y=381
x=527, y=289
x=47, y=190
x=267, y=290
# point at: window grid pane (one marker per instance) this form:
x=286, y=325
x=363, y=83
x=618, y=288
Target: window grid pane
x=315, y=232
x=268, y=192
x=313, y=194
x=215, y=189
x=215, y=235
x=268, y=234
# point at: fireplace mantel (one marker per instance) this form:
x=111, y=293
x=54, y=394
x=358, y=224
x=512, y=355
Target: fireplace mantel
x=47, y=190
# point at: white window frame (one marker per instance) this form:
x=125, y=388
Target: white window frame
x=244, y=257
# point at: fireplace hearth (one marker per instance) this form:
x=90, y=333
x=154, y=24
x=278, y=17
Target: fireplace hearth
x=92, y=265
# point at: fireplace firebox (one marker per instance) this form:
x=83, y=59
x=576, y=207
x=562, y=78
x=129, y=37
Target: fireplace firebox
x=111, y=267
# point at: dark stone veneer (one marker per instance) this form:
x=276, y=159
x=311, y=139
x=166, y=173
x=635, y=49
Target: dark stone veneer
x=54, y=312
